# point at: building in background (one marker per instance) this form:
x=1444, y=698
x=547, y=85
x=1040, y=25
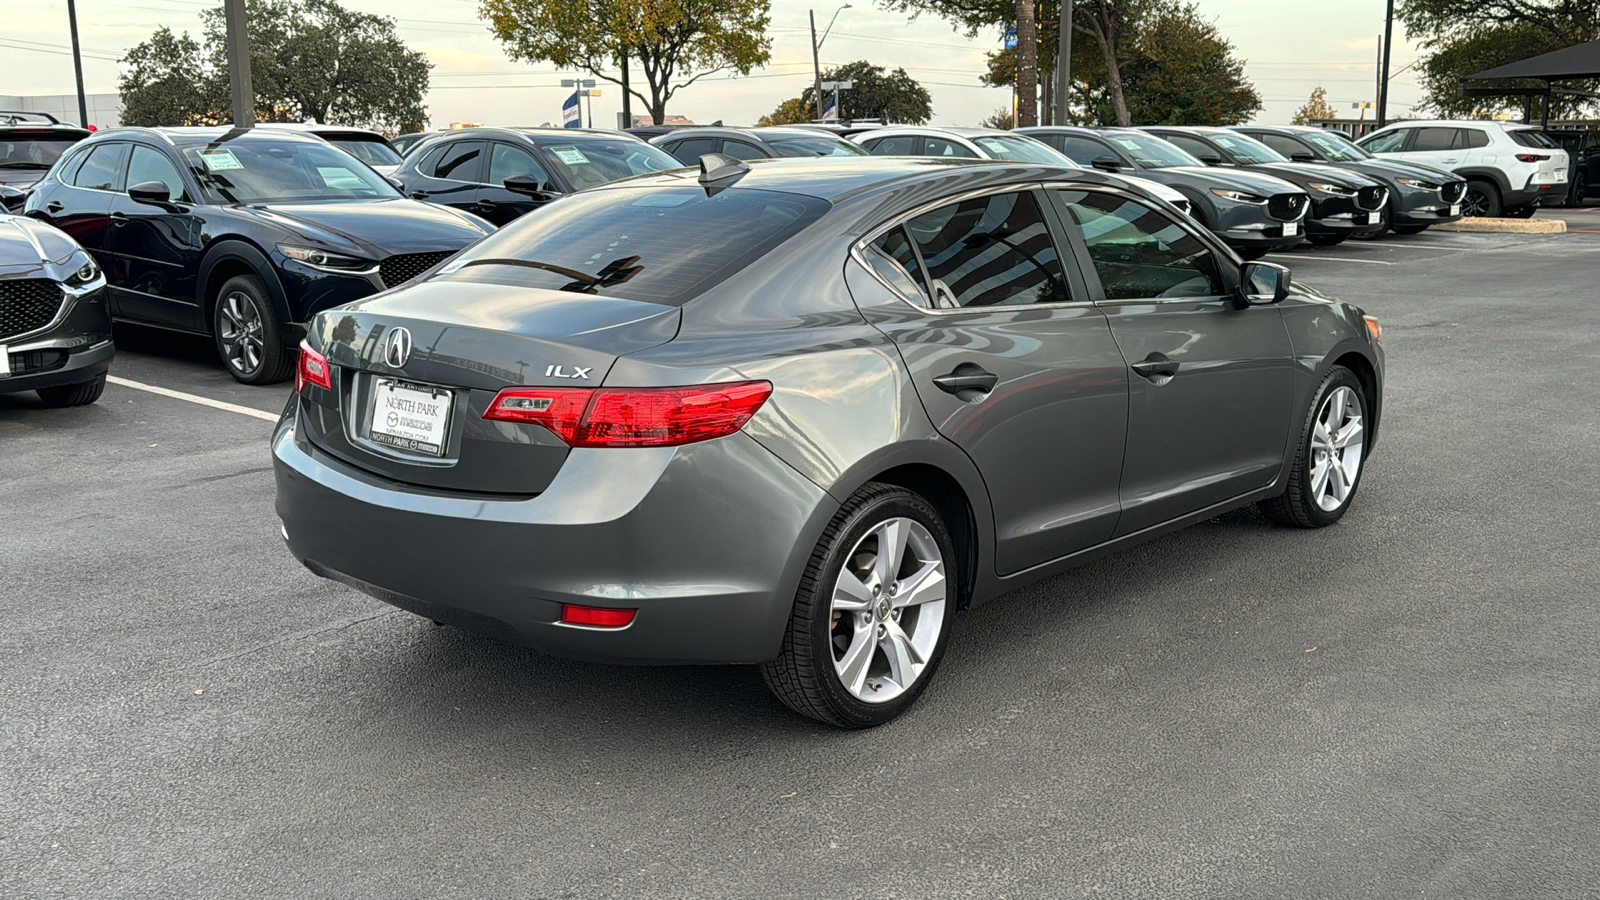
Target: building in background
x=105, y=110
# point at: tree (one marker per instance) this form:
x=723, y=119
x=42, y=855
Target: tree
x=669, y=39
x=793, y=111
x=878, y=93
x=1465, y=36
x=1317, y=107
x=309, y=59
x=1000, y=118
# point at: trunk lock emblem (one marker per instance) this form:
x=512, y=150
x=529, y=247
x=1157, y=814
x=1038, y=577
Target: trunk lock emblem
x=398, y=350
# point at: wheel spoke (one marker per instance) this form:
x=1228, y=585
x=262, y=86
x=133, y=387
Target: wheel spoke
x=904, y=660
x=1320, y=438
x=1335, y=411
x=892, y=536
x=1338, y=487
x=1319, y=477
x=1348, y=433
x=925, y=585
x=852, y=667
x=851, y=593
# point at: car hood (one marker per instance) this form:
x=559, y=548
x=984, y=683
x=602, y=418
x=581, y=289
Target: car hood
x=1232, y=179
x=373, y=229
x=31, y=249
x=1300, y=173
x=1389, y=169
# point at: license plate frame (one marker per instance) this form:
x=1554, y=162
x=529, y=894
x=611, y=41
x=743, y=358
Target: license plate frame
x=1455, y=209
x=1560, y=176
x=402, y=407
x=1291, y=229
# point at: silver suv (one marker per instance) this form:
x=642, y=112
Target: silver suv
x=1510, y=168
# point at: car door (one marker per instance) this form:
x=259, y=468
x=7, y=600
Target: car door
x=451, y=174
x=81, y=204
x=495, y=202
x=1013, y=364
x=157, y=250
x=1210, y=377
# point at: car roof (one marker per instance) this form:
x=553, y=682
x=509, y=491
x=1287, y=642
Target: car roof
x=1461, y=123
x=535, y=133
x=953, y=131
x=190, y=135
x=320, y=128
x=759, y=131
x=834, y=178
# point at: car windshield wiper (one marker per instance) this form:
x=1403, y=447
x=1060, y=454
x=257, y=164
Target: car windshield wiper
x=613, y=273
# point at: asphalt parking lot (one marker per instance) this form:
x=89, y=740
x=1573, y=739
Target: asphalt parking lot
x=1402, y=705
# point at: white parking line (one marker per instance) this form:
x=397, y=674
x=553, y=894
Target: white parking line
x=1370, y=262
x=203, y=401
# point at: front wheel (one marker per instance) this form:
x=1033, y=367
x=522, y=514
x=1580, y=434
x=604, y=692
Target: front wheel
x=1327, y=465
x=247, y=333
x=1326, y=240
x=1410, y=229
x=81, y=394
x=873, y=613
x=1580, y=186
x=1482, y=200
x=1250, y=254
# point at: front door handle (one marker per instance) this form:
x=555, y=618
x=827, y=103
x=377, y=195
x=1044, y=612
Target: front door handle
x=486, y=204
x=967, y=377
x=419, y=195
x=1157, y=367
x=53, y=206
x=118, y=219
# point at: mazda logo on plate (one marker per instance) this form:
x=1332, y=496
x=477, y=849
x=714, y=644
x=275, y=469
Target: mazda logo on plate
x=398, y=349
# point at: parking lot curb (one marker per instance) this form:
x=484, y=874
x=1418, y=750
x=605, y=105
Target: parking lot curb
x=1506, y=226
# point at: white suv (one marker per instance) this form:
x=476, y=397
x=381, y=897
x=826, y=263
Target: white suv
x=1510, y=167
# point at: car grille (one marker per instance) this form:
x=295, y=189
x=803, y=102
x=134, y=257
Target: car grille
x=1371, y=198
x=1453, y=191
x=28, y=304
x=1286, y=207
x=402, y=267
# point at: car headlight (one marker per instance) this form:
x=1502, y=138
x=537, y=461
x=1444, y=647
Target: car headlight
x=1239, y=196
x=322, y=259
x=1418, y=183
x=86, y=273
x=1333, y=189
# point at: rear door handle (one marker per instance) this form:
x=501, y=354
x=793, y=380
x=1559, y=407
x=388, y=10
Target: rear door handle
x=53, y=206
x=118, y=219
x=486, y=204
x=967, y=377
x=1156, y=365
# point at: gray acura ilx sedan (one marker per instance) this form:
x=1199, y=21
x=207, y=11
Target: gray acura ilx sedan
x=798, y=413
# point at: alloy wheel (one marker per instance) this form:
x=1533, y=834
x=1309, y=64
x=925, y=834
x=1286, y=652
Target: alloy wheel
x=887, y=611
x=1475, y=203
x=242, y=332
x=1337, y=441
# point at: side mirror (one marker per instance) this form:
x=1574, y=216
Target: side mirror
x=152, y=192
x=1211, y=160
x=1263, y=283
x=1106, y=163
x=398, y=184
x=1302, y=156
x=528, y=186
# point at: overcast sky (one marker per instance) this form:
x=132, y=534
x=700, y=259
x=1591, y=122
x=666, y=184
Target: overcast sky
x=1290, y=47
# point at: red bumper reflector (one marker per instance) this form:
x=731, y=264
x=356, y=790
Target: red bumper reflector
x=312, y=369
x=596, y=616
x=633, y=417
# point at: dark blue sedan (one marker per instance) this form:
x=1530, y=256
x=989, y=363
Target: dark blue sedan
x=243, y=234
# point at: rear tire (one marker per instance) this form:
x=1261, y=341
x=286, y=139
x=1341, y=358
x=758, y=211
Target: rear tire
x=868, y=630
x=80, y=394
x=1580, y=186
x=247, y=333
x=1482, y=200
x=1329, y=458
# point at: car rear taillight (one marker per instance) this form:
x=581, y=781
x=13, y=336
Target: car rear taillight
x=312, y=369
x=596, y=616
x=1532, y=157
x=633, y=417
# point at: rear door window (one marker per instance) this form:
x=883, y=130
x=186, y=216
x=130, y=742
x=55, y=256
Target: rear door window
x=661, y=245
x=1434, y=139
x=1288, y=146
x=989, y=251
x=1197, y=148
x=941, y=147
x=1081, y=150
x=460, y=161
x=893, y=258
x=893, y=145
x=691, y=149
x=102, y=171
x=741, y=150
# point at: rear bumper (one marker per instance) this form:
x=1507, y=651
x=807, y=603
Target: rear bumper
x=706, y=541
x=1535, y=192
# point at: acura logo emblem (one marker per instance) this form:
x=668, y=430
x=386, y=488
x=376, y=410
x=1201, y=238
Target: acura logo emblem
x=398, y=349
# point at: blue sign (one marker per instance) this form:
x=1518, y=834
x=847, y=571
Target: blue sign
x=1010, y=40
x=571, y=117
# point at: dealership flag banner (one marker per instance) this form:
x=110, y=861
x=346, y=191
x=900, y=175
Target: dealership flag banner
x=570, y=116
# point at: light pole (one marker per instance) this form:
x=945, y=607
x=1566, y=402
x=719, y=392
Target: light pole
x=244, y=97
x=77, y=64
x=816, y=53
x=1383, y=76
x=1063, y=64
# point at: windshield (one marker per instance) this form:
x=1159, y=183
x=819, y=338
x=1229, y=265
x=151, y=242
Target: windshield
x=591, y=163
x=369, y=151
x=28, y=151
x=661, y=245
x=266, y=171
x=1022, y=149
x=1151, y=152
x=813, y=145
x=1249, y=150
x=1335, y=147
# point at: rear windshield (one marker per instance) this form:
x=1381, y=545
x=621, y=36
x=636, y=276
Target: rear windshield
x=813, y=145
x=371, y=151
x=32, y=151
x=1529, y=138
x=663, y=245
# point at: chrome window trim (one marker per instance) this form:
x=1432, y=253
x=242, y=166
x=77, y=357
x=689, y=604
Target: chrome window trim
x=901, y=219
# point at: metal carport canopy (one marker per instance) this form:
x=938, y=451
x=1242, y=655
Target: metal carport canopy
x=1577, y=61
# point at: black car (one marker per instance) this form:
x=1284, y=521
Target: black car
x=689, y=144
x=1419, y=195
x=30, y=143
x=241, y=233
x=1251, y=212
x=55, y=327
x=1343, y=204
x=370, y=147
x=502, y=173
x=1583, y=150
x=406, y=142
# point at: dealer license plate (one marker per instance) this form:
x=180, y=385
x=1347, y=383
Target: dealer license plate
x=1455, y=209
x=5, y=362
x=1561, y=176
x=1290, y=229
x=410, y=417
